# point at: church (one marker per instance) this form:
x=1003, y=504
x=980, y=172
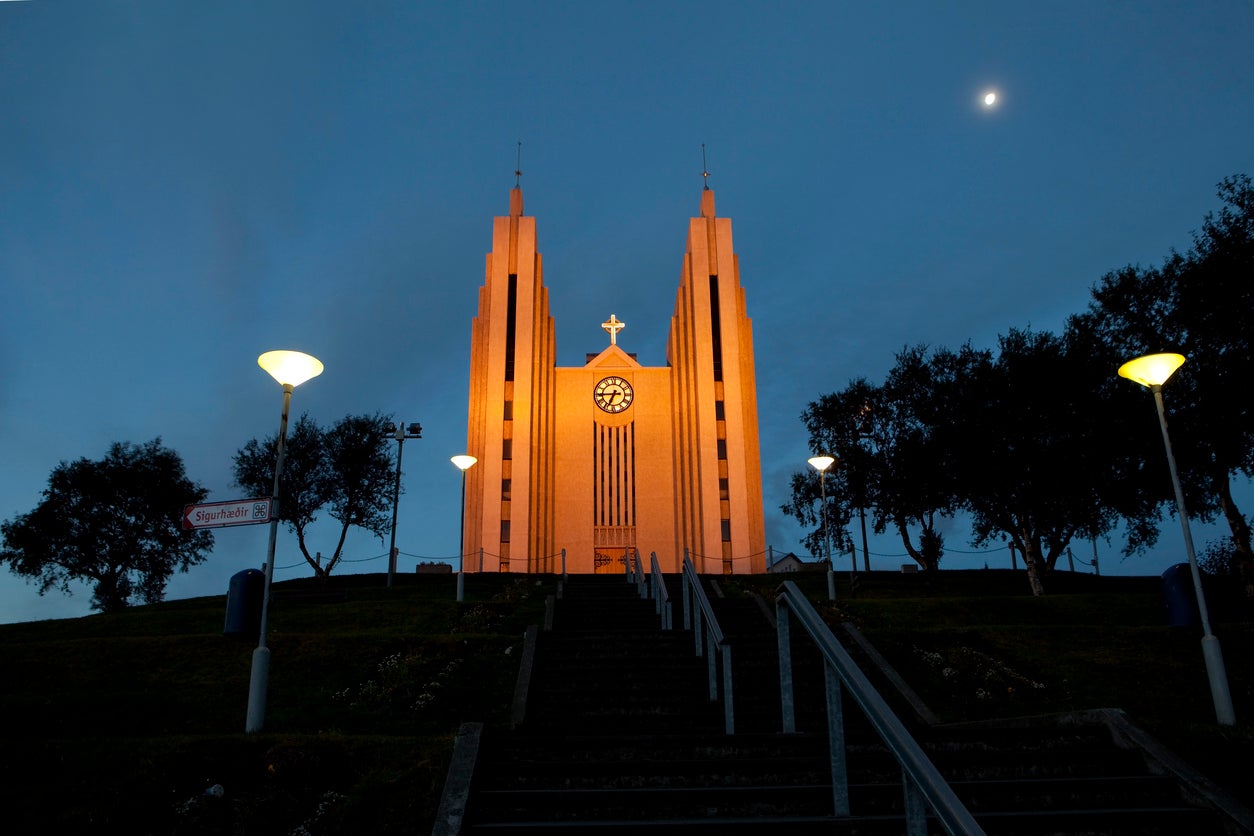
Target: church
x=579, y=467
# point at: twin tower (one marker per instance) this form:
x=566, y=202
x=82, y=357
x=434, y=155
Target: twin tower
x=606, y=458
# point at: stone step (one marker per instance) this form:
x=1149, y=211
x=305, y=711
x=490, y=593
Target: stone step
x=1114, y=821
x=815, y=798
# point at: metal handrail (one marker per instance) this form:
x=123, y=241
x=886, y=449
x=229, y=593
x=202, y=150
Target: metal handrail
x=635, y=573
x=925, y=787
x=699, y=617
x=658, y=592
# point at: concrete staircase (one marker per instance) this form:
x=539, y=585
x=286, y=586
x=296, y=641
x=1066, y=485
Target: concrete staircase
x=619, y=736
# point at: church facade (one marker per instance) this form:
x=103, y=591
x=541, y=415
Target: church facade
x=599, y=460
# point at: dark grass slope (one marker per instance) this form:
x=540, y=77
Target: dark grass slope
x=124, y=721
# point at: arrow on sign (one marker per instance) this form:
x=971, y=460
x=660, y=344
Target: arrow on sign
x=221, y=514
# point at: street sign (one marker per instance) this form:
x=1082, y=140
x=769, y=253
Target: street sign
x=220, y=514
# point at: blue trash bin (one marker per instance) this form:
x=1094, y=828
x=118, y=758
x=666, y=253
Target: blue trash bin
x=243, y=604
x=1179, y=597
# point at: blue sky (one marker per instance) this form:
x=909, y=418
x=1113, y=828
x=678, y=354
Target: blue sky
x=186, y=185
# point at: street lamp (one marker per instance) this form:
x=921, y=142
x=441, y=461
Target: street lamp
x=400, y=433
x=821, y=464
x=290, y=369
x=462, y=463
x=1152, y=371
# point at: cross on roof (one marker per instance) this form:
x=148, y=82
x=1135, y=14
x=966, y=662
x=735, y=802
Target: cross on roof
x=613, y=326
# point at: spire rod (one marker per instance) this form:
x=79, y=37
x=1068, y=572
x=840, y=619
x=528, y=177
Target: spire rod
x=705, y=172
x=518, y=167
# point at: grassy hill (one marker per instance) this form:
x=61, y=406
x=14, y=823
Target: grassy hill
x=122, y=722
x=126, y=721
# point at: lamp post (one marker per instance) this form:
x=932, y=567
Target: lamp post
x=821, y=464
x=462, y=463
x=290, y=369
x=864, y=416
x=1152, y=371
x=400, y=433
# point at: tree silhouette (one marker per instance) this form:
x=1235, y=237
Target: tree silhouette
x=1199, y=304
x=115, y=523
x=346, y=470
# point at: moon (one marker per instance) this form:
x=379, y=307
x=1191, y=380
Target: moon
x=990, y=98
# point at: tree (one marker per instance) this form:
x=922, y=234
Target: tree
x=1038, y=451
x=1028, y=441
x=1199, y=304
x=806, y=506
x=916, y=487
x=1215, y=306
x=889, y=464
x=844, y=486
x=116, y=523
x=347, y=470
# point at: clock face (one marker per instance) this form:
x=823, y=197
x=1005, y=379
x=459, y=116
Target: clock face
x=613, y=394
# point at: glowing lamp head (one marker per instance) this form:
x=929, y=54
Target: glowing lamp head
x=463, y=463
x=290, y=368
x=821, y=463
x=1152, y=369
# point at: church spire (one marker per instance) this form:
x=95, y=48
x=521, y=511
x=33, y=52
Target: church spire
x=515, y=194
x=707, y=196
x=707, y=203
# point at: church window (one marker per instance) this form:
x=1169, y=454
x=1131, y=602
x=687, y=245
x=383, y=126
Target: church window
x=511, y=325
x=507, y=448
x=505, y=489
x=716, y=335
x=720, y=411
x=722, y=448
x=509, y=411
x=726, y=531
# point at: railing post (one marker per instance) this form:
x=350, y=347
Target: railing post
x=563, y=564
x=698, y=628
x=711, y=664
x=789, y=719
x=461, y=586
x=926, y=791
x=642, y=581
x=836, y=740
x=916, y=806
x=684, y=592
x=729, y=715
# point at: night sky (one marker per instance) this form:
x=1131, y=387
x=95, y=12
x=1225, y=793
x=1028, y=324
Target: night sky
x=186, y=185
